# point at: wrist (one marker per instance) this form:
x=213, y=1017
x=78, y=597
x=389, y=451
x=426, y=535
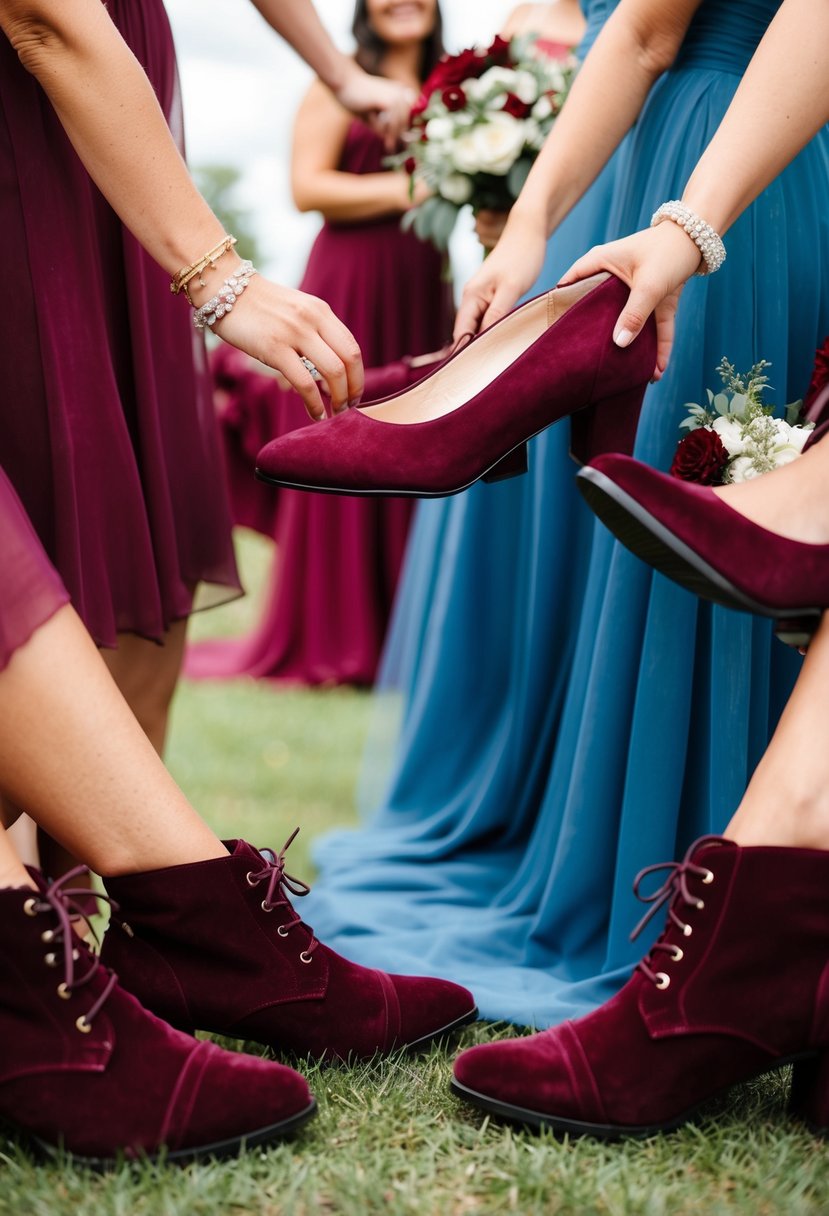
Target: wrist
x=338, y=72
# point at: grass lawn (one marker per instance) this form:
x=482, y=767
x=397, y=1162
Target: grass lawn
x=389, y=1138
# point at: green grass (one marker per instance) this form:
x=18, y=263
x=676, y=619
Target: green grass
x=389, y=1138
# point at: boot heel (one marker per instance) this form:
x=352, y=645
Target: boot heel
x=810, y=1092
x=605, y=426
x=511, y=465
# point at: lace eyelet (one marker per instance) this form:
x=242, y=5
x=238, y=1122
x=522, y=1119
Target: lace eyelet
x=249, y=879
x=662, y=980
x=265, y=906
x=83, y=1026
x=700, y=904
x=64, y=993
x=47, y=936
x=679, y=954
x=76, y=954
x=51, y=960
x=30, y=907
x=283, y=930
x=708, y=876
x=305, y=957
x=687, y=930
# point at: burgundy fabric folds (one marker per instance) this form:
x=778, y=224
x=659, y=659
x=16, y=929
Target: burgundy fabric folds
x=108, y=429
x=30, y=589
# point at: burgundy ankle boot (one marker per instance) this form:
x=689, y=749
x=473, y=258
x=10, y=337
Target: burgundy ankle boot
x=218, y=946
x=85, y=1068
x=737, y=984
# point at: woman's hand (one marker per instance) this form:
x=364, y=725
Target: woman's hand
x=489, y=226
x=655, y=263
x=278, y=326
x=508, y=272
x=384, y=104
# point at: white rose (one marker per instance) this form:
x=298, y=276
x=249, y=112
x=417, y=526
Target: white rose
x=731, y=434
x=542, y=109
x=456, y=188
x=793, y=436
x=742, y=469
x=525, y=87
x=439, y=129
x=533, y=135
x=490, y=147
x=499, y=78
x=784, y=454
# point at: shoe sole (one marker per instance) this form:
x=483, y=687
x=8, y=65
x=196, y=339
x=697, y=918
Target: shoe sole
x=436, y=1035
x=651, y=541
x=538, y=1120
x=205, y=1152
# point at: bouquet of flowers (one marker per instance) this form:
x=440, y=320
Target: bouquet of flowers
x=736, y=437
x=477, y=127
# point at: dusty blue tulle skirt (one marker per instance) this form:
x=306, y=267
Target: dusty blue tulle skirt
x=553, y=716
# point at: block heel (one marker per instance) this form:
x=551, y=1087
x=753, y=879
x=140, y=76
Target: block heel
x=607, y=426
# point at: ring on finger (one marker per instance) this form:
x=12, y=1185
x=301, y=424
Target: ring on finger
x=312, y=368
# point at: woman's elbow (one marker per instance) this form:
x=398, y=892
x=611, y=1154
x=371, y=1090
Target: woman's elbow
x=33, y=36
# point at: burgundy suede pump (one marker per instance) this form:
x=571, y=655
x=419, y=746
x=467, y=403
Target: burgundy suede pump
x=689, y=534
x=736, y=985
x=471, y=418
x=217, y=945
x=85, y=1069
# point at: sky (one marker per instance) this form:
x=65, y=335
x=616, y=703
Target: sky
x=241, y=86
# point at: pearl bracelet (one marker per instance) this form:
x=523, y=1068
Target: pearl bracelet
x=225, y=297
x=703, y=235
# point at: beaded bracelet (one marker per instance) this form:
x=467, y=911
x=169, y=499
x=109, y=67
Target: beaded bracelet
x=703, y=235
x=182, y=280
x=225, y=297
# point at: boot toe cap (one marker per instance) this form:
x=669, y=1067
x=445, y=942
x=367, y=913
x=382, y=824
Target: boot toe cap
x=429, y=1007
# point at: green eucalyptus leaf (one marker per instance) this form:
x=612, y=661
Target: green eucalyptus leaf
x=720, y=404
x=793, y=412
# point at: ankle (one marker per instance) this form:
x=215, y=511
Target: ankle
x=792, y=819
x=15, y=876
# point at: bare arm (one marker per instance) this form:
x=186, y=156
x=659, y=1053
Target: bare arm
x=639, y=41
x=785, y=95
x=320, y=132
x=111, y=115
x=383, y=103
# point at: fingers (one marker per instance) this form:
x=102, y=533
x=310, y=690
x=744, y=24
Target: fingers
x=643, y=299
x=336, y=355
x=592, y=262
x=472, y=308
x=302, y=382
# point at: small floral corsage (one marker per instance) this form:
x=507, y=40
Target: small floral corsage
x=736, y=437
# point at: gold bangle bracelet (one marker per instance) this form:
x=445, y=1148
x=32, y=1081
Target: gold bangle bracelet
x=180, y=281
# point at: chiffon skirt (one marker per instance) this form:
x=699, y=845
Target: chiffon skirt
x=557, y=716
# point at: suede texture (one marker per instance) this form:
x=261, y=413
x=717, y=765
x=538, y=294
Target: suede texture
x=651, y=1055
x=196, y=945
x=573, y=366
x=785, y=575
x=131, y=1084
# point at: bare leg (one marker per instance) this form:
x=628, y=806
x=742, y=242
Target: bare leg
x=787, y=800
x=791, y=501
x=146, y=675
x=12, y=870
x=73, y=753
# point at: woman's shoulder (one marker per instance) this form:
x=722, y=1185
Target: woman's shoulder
x=558, y=21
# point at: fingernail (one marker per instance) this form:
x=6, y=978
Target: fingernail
x=623, y=338
x=355, y=401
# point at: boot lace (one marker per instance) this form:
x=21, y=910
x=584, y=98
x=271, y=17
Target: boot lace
x=59, y=899
x=676, y=891
x=280, y=884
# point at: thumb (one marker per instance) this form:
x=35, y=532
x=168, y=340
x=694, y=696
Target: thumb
x=640, y=304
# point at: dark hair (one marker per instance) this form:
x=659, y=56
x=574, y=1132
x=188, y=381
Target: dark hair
x=371, y=48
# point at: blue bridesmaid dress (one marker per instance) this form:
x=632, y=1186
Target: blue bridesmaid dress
x=557, y=715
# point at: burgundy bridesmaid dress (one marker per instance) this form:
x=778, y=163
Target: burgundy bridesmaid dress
x=337, y=560
x=107, y=431
x=30, y=589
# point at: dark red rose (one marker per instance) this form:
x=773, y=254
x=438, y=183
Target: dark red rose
x=453, y=98
x=498, y=53
x=515, y=106
x=419, y=106
x=820, y=374
x=701, y=456
x=409, y=165
x=452, y=70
